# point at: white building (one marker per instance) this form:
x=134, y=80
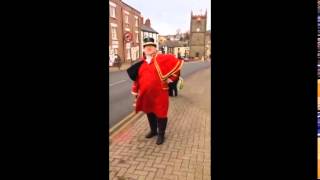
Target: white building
x=148, y=31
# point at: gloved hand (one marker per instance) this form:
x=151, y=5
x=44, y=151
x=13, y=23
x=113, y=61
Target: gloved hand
x=135, y=100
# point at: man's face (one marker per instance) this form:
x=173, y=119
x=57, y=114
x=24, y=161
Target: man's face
x=149, y=49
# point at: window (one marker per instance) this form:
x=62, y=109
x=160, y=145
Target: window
x=112, y=11
x=137, y=37
x=126, y=18
x=115, y=50
x=114, y=33
x=136, y=22
x=128, y=54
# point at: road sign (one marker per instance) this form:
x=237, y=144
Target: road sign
x=128, y=37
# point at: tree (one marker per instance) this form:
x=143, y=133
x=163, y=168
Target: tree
x=187, y=35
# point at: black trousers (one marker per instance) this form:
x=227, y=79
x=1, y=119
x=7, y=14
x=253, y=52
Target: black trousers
x=173, y=88
x=157, y=123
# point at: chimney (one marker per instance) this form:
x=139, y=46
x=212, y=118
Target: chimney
x=148, y=23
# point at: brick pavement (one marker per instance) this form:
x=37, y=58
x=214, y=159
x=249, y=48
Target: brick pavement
x=186, y=152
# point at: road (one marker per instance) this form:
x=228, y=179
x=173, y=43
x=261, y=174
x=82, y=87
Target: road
x=120, y=103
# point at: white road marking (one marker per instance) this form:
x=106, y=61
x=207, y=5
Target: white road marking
x=118, y=82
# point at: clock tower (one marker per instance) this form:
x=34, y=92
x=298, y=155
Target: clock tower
x=198, y=28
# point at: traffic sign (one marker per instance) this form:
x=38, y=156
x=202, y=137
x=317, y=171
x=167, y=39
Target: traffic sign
x=128, y=37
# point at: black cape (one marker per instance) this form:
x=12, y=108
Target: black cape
x=133, y=70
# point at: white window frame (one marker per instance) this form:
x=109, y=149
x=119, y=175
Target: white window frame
x=112, y=9
x=128, y=54
x=112, y=4
x=113, y=25
x=126, y=19
x=114, y=32
x=137, y=36
x=136, y=21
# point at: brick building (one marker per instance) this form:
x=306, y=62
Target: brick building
x=124, y=31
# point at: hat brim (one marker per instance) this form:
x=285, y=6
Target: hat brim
x=149, y=43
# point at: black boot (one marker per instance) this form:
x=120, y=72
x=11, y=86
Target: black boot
x=162, y=125
x=153, y=125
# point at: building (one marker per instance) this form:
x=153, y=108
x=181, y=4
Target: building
x=148, y=31
x=208, y=43
x=198, y=26
x=174, y=44
x=162, y=44
x=124, y=31
x=162, y=39
x=177, y=48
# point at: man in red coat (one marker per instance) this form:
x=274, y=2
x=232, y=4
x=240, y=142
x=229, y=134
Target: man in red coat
x=150, y=87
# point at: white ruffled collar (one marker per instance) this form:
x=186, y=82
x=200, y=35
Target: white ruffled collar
x=148, y=59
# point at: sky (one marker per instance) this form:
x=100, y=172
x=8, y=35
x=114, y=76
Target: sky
x=167, y=16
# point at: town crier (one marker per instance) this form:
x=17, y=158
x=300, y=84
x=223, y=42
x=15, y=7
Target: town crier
x=151, y=76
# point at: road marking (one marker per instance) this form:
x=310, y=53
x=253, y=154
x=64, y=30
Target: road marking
x=112, y=84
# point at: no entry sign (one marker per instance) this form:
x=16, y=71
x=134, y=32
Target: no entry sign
x=128, y=37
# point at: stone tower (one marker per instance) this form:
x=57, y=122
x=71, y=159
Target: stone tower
x=198, y=28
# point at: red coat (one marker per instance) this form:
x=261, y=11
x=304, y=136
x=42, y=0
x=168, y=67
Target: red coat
x=151, y=84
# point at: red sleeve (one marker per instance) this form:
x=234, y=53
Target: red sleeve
x=175, y=76
x=134, y=89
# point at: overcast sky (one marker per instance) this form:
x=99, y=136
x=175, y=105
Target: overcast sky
x=169, y=15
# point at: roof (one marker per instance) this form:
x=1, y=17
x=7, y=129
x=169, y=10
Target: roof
x=175, y=44
x=134, y=9
x=148, y=29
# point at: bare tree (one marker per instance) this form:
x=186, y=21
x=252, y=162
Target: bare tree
x=187, y=35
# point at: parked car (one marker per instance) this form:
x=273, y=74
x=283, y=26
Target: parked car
x=186, y=59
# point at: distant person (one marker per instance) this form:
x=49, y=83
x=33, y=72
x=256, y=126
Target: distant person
x=173, y=85
x=151, y=76
x=118, y=61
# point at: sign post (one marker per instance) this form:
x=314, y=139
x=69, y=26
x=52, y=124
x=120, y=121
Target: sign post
x=128, y=39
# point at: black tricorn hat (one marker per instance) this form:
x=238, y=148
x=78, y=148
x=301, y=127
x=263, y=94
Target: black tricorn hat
x=133, y=70
x=149, y=41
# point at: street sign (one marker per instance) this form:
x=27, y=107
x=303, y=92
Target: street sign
x=128, y=37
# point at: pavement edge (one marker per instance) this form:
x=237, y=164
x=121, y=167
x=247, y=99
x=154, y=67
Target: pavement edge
x=121, y=125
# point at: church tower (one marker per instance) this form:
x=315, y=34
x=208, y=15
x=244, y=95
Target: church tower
x=198, y=28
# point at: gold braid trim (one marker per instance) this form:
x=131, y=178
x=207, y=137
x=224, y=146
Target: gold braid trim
x=181, y=63
x=174, y=70
x=157, y=68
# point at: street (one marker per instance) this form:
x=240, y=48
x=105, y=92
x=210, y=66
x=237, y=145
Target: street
x=186, y=153
x=120, y=90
